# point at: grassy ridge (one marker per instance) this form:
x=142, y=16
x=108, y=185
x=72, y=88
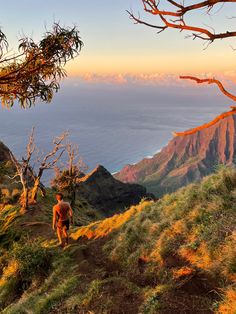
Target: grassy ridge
x=177, y=255
x=187, y=236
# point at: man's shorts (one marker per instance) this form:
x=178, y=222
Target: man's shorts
x=61, y=224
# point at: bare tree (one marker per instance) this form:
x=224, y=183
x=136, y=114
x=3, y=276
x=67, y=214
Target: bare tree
x=172, y=15
x=66, y=179
x=34, y=73
x=30, y=175
x=22, y=170
x=47, y=162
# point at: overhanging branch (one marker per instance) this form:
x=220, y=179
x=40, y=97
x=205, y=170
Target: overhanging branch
x=210, y=81
x=178, y=10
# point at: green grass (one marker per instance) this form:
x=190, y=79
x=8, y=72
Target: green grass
x=149, y=259
x=51, y=278
x=194, y=226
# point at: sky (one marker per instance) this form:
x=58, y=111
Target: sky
x=123, y=91
x=114, y=47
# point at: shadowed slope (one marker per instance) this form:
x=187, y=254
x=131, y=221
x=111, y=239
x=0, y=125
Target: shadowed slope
x=108, y=195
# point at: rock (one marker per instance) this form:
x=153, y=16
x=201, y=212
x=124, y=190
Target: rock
x=107, y=194
x=9, y=189
x=187, y=158
x=4, y=153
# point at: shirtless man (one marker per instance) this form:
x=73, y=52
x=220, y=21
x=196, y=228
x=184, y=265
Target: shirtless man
x=62, y=216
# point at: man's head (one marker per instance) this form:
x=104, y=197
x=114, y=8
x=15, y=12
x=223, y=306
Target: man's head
x=59, y=197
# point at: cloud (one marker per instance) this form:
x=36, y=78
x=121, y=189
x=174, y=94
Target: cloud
x=100, y=78
x=122, y=79
x=154, y=79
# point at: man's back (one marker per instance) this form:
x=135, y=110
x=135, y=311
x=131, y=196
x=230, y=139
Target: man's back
x=63, y=210
x=62, y=217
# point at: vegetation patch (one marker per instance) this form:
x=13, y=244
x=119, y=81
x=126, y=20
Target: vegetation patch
x=152, y=258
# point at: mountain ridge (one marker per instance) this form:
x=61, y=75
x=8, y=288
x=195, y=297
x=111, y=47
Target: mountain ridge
x=4, y=153
x=98, y=188
x=188, y=157
x=107, y=194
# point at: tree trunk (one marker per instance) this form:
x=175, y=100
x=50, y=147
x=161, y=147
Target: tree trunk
x=25, y=198
x=34, y=192
x=25, y=194
x=37, y=185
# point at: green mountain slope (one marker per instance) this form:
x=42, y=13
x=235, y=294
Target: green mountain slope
x=177, y=255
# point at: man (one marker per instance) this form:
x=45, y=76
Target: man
x=62, y=216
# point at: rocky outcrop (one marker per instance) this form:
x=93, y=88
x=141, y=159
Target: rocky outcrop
x=9, y=189
x=4, y=153
x=187, y=158
x=6, y=166
x=105, y=193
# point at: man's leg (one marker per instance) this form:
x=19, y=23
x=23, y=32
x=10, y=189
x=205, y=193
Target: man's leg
x=59, y=235
x=65, y=233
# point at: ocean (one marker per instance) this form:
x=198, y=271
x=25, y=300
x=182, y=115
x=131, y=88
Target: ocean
x=113, y=125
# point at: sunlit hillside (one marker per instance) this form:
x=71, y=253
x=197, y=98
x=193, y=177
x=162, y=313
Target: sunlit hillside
x=102, y=211
x=176, y=255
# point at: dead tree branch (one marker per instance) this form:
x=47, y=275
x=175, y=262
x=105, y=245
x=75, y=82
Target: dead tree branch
x=48, y=162
x=210, y=81
x=153, y=7
x=178, y=10
x=66, y=179
x=22, y=170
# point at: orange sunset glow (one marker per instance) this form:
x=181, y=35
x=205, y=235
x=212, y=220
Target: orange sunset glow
x=118, y=157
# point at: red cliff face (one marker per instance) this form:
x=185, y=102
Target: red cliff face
x=187, y=158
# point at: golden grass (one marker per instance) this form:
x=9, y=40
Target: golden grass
x=164, y=244
x=182, y=272
x=9, y=271
x=229, y=304
x=104, y=227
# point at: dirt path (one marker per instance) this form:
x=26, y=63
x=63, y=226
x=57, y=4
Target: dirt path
x=94, y=265
x=194, y=294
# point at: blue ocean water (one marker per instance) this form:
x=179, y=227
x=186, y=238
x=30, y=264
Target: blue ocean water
x=112, y=124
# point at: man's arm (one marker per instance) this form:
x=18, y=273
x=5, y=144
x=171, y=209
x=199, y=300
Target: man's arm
x=54, y=220
x=71, y=215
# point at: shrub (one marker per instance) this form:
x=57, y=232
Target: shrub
x=23, y=263
x=32, y=259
